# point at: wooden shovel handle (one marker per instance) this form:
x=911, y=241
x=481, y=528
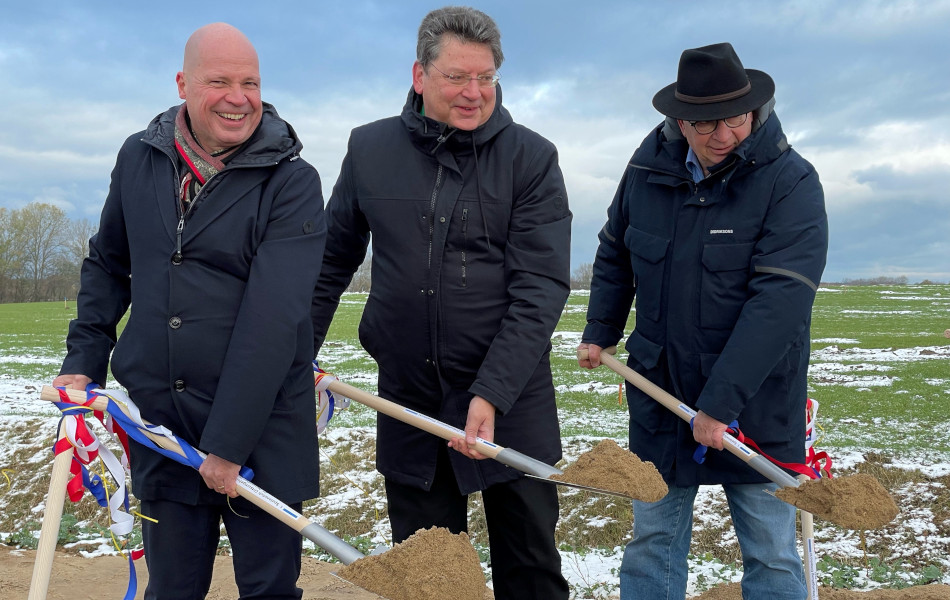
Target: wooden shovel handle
x=52, y=516
x=254, y=494
x=506, y=456
x=730, y=443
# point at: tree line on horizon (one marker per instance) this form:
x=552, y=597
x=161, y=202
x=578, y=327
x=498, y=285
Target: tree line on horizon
x=42, y=249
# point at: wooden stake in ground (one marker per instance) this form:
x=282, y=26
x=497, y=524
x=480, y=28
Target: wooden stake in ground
x=808, y=549
x=52, y=516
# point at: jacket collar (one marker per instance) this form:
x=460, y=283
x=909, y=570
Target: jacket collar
x=272, y=141
x=665, y=148
x=433, y=136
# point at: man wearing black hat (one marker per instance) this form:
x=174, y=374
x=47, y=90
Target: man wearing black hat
x=718, y=229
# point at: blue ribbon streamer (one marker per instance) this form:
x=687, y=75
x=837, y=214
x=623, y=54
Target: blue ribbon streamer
x=699, y=455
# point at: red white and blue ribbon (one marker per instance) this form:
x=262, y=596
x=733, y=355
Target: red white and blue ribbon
x=87, y=447
x=327, y=402
x=817, y=464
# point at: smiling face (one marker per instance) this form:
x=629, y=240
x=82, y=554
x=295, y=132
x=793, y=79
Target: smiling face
x=464, y=107
x=221, y=85
x=712, y=148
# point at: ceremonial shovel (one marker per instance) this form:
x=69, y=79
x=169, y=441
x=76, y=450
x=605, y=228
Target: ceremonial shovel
x=531, y=467
x=730, y=443
x=320, y=536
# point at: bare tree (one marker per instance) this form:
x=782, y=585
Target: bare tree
x=11, y=259
x=42, y=229
x=581, y=276
x=75, y=250
x=362, y=279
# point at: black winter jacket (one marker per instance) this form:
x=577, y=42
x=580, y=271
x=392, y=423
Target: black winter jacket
x=724, y=273
x=218, y=343
x=470, y=273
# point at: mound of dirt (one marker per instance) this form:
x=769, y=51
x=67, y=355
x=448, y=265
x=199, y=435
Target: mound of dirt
x=853, y=501
x=609, y=467
x=733, y=591
x=432, y=564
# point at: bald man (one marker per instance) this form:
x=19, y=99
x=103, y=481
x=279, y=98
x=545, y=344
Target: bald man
x=221, y=223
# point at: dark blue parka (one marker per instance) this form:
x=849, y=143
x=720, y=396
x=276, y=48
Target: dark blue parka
x=470, y=273
x=724, y=273
x=218, y=343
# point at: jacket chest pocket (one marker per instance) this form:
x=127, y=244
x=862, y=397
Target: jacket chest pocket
x=724, y=285
x=648, y=259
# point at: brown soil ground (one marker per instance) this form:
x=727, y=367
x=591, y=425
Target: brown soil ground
x=106, y=578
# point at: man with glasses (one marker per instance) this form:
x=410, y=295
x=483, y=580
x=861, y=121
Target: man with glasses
x=718, y=229
x=470, y=271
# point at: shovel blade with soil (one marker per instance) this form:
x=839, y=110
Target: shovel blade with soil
x=629, y=478
x=852, y=501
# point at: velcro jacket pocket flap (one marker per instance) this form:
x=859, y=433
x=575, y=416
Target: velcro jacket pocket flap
x=643, y=350
x=727, y=257
x=647, y=246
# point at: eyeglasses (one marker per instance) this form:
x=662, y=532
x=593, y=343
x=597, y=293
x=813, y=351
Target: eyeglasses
x=462, y=79
x=707, y=127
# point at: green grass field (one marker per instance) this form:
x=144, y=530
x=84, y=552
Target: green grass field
x=879, y=370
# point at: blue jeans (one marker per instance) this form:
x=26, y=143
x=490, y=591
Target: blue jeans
x=654, y=564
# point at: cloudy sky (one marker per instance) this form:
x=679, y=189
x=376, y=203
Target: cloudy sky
x=862, y=89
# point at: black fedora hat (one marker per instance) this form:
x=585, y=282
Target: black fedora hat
x=712, y=84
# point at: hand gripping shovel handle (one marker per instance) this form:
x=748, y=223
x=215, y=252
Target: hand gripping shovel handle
x=320, y=536
x=506, y=456
x=743, y=452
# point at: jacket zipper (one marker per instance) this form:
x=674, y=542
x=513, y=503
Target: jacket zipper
x=464, y=241
x=186, y=213
x=435, y=195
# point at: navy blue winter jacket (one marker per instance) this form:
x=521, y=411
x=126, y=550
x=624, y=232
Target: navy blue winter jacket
x=470, y=273
x=218, y=343
x=724, y=273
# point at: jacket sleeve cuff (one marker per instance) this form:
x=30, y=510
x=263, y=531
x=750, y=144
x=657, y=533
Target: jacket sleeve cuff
x=601, y=334
x=501, y=405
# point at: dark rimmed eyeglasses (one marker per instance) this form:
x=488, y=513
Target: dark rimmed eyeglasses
x=462, y=79
x=707, y=127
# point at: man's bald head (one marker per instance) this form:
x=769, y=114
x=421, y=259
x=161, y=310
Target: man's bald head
x=220, y=82
x=215, y=35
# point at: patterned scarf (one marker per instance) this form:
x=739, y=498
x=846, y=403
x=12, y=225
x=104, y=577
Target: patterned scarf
x=201, y=165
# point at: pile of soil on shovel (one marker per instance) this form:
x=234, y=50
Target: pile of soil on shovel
x=853, y=501
x=733, y=591
x=432, y=564
x=609, y=467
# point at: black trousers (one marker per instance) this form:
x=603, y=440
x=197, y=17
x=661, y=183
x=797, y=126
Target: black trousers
x=521, y=515
x=180, y=550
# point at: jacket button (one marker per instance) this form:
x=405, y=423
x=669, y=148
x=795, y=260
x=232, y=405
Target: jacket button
x=702, y=199
x=174, y=322
x=176, y=258
x=431, y=292
x=441, y=219
x=179, y=385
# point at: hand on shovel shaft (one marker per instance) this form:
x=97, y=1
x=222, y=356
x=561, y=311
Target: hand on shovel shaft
x=727, y=441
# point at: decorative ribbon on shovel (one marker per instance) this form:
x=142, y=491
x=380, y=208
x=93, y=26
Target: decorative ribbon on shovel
x=160, y=439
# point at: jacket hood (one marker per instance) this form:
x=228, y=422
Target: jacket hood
x=272, y=141
x=429, y=135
